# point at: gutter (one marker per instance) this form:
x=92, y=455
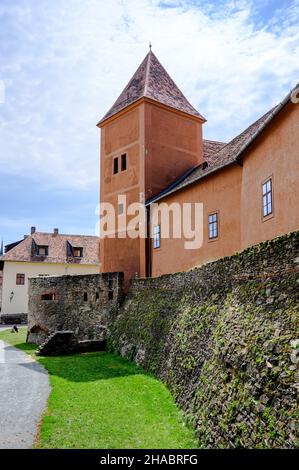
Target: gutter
x=213, y=170
x=170, y=188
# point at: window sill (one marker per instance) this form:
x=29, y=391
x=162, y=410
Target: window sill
x=210, y=240
x=267, y=217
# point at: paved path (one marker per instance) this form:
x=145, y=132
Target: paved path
x=24, y=389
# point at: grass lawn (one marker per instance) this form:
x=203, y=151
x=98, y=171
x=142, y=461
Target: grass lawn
x=100, y=400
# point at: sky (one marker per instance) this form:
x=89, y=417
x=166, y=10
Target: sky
x=63, y=63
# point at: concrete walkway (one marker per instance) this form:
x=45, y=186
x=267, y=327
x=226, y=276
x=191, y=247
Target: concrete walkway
x=24, y=390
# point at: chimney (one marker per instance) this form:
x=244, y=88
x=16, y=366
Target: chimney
x=32, y=231
x=55, y=232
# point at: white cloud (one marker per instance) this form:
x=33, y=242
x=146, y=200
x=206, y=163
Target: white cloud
x=66, y=62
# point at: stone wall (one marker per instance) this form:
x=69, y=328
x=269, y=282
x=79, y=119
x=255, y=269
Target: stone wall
x=225, y=339
x=85, y=304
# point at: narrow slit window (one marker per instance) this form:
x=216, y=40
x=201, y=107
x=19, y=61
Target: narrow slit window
x=213, y=226
x=267, y=198
x=157, y=236
x=85, y=297
x=123, y=162
x=115, y=165
x=49, y=296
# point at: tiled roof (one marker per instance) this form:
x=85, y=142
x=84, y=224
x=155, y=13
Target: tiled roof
x=152, y=81
x=57, y=249
x=210, y=148
x=218, y=155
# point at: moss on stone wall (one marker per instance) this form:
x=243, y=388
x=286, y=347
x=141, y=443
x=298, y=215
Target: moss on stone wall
x=225, y=339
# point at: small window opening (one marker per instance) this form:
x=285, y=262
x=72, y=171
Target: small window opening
x=267, y=198
x=49, y=296
x=157, y=236
x=120, y=208
x=78, y=252
x=20, y=279
x=42, y=250
x=213, y=226
x=115, y=165
x=110, y=295
x=123, y=162
x=85, y=297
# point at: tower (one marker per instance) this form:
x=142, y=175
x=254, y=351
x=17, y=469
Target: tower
x=149, y=138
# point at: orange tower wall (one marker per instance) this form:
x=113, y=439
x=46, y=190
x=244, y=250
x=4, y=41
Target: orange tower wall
x=161, y=145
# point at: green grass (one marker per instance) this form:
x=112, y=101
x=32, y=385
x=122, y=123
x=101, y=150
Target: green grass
x=100, y=400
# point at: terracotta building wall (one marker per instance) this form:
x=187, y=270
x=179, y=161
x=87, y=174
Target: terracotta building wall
x=173, y=145
x=120, y=135
x=219, y=192
x=236, y=192
x=276, y=154
x=161, y=145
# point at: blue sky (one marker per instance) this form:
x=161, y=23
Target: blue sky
x=63, y=63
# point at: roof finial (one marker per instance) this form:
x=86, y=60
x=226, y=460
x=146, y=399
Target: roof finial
x=150, y=46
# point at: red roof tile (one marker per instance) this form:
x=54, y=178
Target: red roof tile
x=152, y=81
x=210, y=148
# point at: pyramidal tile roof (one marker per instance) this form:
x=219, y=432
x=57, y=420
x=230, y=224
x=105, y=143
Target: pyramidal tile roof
x=152, y=81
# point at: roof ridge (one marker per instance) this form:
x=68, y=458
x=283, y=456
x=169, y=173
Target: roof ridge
x=148, y=65
x=216, y=141
x=246, y=130
x=62, y=235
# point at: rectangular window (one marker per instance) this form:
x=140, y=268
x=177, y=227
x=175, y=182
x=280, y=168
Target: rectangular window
x=78, y=252
x=42, y=250
x=267, y=197
x=115, y=165
x=123, y=162
x=20, y=279
x=213, y=226
x=157, y=236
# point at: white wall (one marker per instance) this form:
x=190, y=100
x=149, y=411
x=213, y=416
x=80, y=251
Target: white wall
x=18, y=302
